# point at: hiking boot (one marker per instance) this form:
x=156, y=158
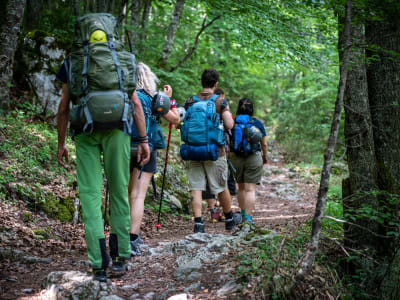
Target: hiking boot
x=99, y=275
x=221, y=217
x=139, y=240
x=119, y=264
x=198, y=227
x=135, y=250
x=215, y=216
x=246, y=219
x=235, y=220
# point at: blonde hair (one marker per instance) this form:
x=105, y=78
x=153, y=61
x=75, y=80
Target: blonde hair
x=146, y=79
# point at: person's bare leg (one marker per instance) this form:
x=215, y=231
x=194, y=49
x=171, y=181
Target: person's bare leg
x=211, y=203
x=196, y=203
x=241, y=194
x=250, y=197
x=137, y=193
x=226, y=201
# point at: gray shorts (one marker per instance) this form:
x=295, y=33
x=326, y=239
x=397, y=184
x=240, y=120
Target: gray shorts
x=248, y=169
x=215, y=172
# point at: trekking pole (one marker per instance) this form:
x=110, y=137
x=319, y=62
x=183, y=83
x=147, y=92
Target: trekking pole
x=158, y=225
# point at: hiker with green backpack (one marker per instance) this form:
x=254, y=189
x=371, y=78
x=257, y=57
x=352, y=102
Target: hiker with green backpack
x=99, y=79
x=202, y=132
x=248, y=141
x=140, y=176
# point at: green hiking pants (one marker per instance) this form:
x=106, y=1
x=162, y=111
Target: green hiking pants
x=115, y=146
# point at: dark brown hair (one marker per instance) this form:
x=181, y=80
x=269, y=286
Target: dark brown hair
x=245, y=107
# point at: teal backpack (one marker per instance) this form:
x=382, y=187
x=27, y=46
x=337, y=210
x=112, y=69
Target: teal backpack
x=202, y=130
x=101, y=76
x=154, y=132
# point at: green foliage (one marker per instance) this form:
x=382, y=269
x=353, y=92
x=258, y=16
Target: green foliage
x=29, y=163
x=58, y=22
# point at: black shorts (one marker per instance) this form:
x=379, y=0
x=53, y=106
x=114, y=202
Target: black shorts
x=150, y=167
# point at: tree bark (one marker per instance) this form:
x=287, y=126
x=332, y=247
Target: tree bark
x=309, y=257
x=77, y=8
x=145, y=20
x=34, y=10
x=135, y=22
x=101, y=6
x=8, y=46
x=360, y=147
x=173, y=26
x=3, y=6
x=195, y=44
x=383, y=72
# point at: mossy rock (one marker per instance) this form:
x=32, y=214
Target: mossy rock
x=28, y=217
x=315, y=170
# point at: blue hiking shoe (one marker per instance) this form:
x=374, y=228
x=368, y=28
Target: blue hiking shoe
x=235, y=220
x=135, y=249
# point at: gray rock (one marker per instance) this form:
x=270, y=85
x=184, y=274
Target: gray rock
x=178, y=297
x=27, y=291
x=174, y=201
x=193, y=286
x=112, y=297
x=133, y=286
x=187, y=268
x=134, y=296
x=149, y=296
x=75, y=285
x=228, y=288
x=165, y=294
x=193, y=276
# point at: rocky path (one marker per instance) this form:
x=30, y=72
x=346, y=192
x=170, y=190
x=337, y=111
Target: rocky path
x=175, y=262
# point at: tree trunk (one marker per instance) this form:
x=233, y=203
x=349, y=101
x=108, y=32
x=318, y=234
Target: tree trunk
x=3, y=6
x=135, y=22
x=101, y=6
x=309, y=257
x=173, y=26
x=8, y=45
x=360, y=147
x=77, y=8
x=384, y=99
x=145, y=20
x=34, y=10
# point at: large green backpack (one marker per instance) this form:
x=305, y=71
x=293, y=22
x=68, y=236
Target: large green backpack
x=101, y=76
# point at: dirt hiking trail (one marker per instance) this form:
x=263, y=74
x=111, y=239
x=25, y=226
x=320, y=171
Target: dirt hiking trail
x=174, y=261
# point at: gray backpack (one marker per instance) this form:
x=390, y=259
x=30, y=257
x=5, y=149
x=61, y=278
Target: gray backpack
x=101, y=76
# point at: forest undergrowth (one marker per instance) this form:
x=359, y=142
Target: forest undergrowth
x=37, y=204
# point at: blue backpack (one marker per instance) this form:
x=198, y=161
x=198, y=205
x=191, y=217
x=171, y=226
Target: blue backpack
x=154, y=132
x=202, y=131
x=239, y=143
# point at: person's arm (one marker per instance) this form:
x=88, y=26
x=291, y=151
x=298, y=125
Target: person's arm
x=227, y=118
x=143, y=156
x=264, y=147
x=62, y=124
x=172, y=116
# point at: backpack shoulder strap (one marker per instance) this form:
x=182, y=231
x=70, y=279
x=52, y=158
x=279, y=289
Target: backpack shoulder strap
x=214, y=97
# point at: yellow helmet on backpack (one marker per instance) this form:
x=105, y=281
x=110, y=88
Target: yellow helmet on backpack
x=98, y=36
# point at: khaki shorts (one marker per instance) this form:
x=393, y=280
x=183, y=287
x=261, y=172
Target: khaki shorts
x=215, y=172
x=248, y=169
